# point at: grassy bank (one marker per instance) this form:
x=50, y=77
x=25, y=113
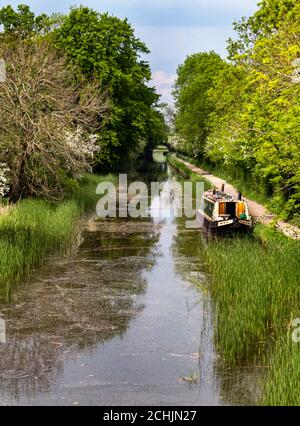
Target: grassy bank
x=255, y=288
x=251, y=188
x=34, y=228
x=186, y=173
x=256, y=294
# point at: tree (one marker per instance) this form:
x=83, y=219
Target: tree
x=264, y=22
x=170, y=116
x=23, y=23
x=105, y=47
x=247, y=122
x=46, y=119
x=194, y=80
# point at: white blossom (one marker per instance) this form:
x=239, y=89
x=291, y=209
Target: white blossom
x=82, y=145
x=4, y=183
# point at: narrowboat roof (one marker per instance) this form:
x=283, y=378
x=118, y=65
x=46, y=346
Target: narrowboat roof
x=218, y=196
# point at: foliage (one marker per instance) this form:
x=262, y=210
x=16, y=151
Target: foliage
x=263, y=24
x=34, y=228
x=4, y=182
x=41, y=110
x=105, y=47
x=22, y=23
x=96, y=55
x=187, y=173
x=259, y=302
x=252, y=126
x=193, y=82
x=255, y=289
x=281, y=387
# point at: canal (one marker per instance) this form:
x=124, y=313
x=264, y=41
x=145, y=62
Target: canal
x=125, y=318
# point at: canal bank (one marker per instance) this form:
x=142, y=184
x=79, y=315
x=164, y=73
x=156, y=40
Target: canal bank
x=34, y=228
x=125, y=319
x=258, y=211
x=255, y=291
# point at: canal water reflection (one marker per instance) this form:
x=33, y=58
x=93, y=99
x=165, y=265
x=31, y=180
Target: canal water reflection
x=126, y=319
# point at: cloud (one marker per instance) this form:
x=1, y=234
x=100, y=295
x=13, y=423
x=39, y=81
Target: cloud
x=158, y=12
x=170, y=45
x=172, y=29
x=164, y=84
x=161, y=78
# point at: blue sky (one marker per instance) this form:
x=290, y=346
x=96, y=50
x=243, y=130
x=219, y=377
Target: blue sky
x=172, y=29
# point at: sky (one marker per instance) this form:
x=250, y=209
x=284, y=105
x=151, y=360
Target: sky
x=172, y=29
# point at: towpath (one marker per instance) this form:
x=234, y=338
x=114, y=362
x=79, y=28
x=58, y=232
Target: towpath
x=256, y=210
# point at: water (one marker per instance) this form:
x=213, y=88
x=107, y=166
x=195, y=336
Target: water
x=126, y=319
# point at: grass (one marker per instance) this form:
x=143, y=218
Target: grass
x=34, y=228
x=85, y=195
x=251, y=187
x=248, y=186
x=186, y=173
x=282, y=386
x=256, y=293
x=255, y=288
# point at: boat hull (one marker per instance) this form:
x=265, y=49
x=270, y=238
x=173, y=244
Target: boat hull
x=234, y=224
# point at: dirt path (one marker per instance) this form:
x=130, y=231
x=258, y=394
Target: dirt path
x=257, y=211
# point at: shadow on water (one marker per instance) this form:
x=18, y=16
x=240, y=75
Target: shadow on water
x=126, y=319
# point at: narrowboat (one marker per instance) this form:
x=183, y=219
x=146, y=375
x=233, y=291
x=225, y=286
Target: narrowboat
x=221, y=211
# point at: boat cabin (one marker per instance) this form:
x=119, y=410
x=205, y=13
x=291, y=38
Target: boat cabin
x=222, y=210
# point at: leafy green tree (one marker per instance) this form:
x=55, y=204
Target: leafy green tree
x=256, y=129
x=193, y=82
x=250, y=111
x=105, y=47
x=264, y=22
x=23, y=22
x=100, y=48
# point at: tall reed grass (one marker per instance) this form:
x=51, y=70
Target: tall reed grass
x=282, y=384
x=256, y=293
x=34, y=228
x=255, y=287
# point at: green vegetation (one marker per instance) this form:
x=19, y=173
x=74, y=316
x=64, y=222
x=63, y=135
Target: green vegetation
x=248, y=186
x=108, y=51
x=242, y=116
x=194, y=79
x=187, y=173
x=256, y=294
x=90, y=106
x=85, y=194
x=282, y=384
x=34, y=228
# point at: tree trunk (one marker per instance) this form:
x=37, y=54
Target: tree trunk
x=17, y=187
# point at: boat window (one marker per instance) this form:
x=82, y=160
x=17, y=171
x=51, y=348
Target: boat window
x=222, y=208
x=208, y=208
x=230, y=209
x=240, y=208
